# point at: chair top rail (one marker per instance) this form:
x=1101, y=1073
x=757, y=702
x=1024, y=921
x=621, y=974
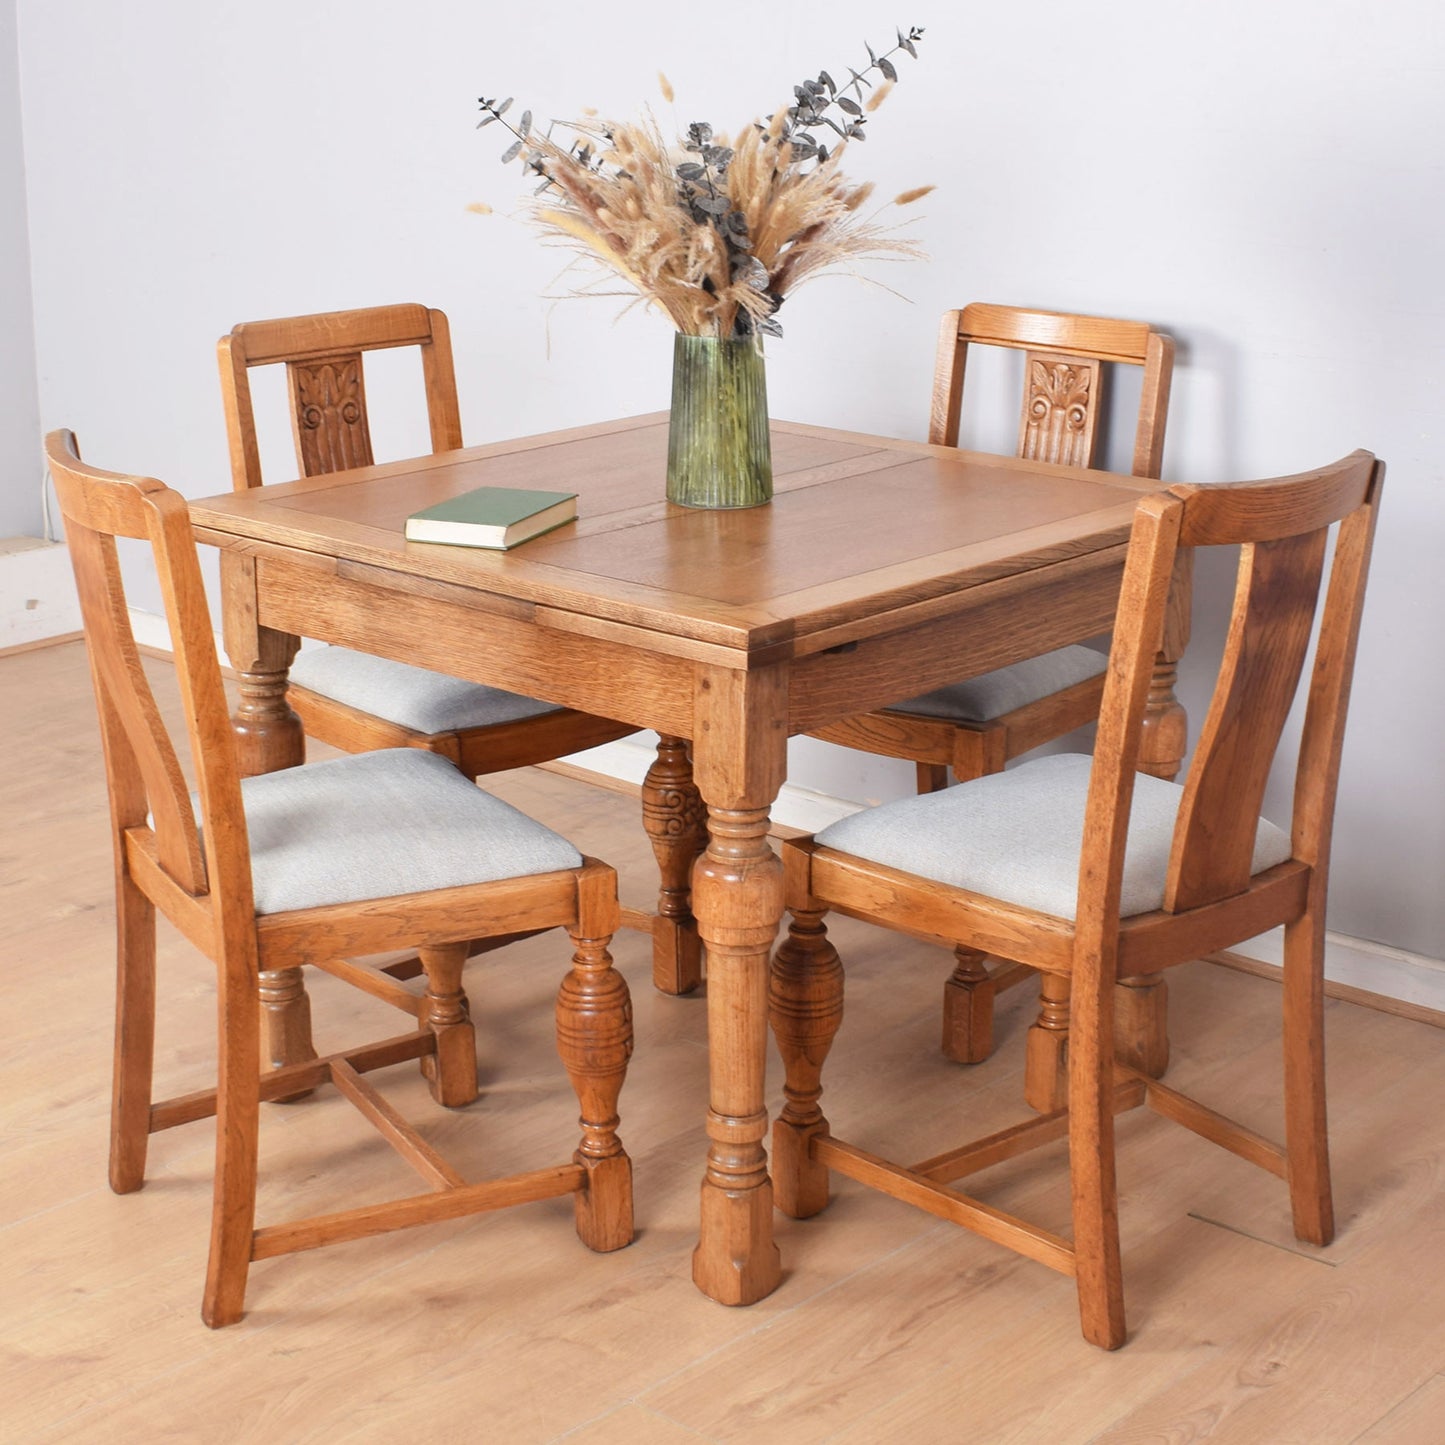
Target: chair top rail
x=297, y=338
x=1224, y=513
x=1024, y=329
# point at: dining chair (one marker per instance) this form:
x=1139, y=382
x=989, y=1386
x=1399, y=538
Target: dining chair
x=353, y=700
x=359, y=855
x=973, y=728
x=1089, y=871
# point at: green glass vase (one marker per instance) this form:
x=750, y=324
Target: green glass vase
x=718, y=454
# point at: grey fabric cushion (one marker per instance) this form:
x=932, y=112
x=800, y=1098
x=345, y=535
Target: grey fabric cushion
x=983, y=698
x=414, y=697
x=377, y=824
x=1016, y=836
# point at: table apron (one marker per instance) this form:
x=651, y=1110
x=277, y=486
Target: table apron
x=983, y=633
x=632, y=684
x=505, y=644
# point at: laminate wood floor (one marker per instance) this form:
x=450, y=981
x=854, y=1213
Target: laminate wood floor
x=889, y=1326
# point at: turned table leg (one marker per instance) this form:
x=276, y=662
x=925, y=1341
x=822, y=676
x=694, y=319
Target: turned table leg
x=738, y=887
x=268, y=733
x=676, y=823
x=740, y=757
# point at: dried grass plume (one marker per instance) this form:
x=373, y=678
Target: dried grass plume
x=716, y=232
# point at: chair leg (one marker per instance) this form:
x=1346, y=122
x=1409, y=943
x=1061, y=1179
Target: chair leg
x=135, y=1027
x=1099, y=1275
x=805, y=1008
x=968, y=1008
x=1306, y=1136
x=238, y=1109
x=1141, y=1036
x=968, y=996
x=594, y=1038
x=1046, y=1055
x=1141, y=1023
x=286, y=1016
x=1165, y=729
x=452, y=1071
x=932, y=777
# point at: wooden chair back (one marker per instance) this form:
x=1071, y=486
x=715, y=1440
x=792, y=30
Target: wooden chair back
x=1063, y=398
x=145, y=780
x=1281, y=528
x=326, y=383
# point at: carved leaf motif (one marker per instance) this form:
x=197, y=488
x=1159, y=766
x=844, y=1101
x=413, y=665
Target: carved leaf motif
x=331, y=425
x=1058, y=419
x=1061, y=387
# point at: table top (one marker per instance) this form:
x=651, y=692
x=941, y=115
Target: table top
x=860, y=527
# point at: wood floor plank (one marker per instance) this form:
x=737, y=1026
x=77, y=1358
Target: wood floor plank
x=635, y=1426
x=1318, y=1370
x=1416, y=1420
x=1037, y=1380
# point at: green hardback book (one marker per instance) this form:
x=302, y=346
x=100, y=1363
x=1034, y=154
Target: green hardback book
x=497, y=517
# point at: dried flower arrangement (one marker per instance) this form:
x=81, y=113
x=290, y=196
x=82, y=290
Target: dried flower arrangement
x=716, y=233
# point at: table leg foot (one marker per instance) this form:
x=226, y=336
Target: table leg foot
x=736, y=1261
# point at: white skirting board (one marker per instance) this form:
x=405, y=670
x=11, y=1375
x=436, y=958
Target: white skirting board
x=1358, y=962
x=1363, y=963
x=795, y=807
x=37, y=591
x=150, y=630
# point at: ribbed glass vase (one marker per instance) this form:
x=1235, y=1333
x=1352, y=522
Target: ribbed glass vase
x=718, y=453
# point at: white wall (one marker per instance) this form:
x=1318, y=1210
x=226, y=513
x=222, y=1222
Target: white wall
x=19, y=416
x=1262, y=180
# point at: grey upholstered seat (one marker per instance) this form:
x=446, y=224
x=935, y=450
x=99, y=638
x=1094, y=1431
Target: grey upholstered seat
x=413, y=697
x=1016, y=836
x=991, y=695
x=375, y=825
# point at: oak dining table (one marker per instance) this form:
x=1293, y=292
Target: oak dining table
x=881, y=569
